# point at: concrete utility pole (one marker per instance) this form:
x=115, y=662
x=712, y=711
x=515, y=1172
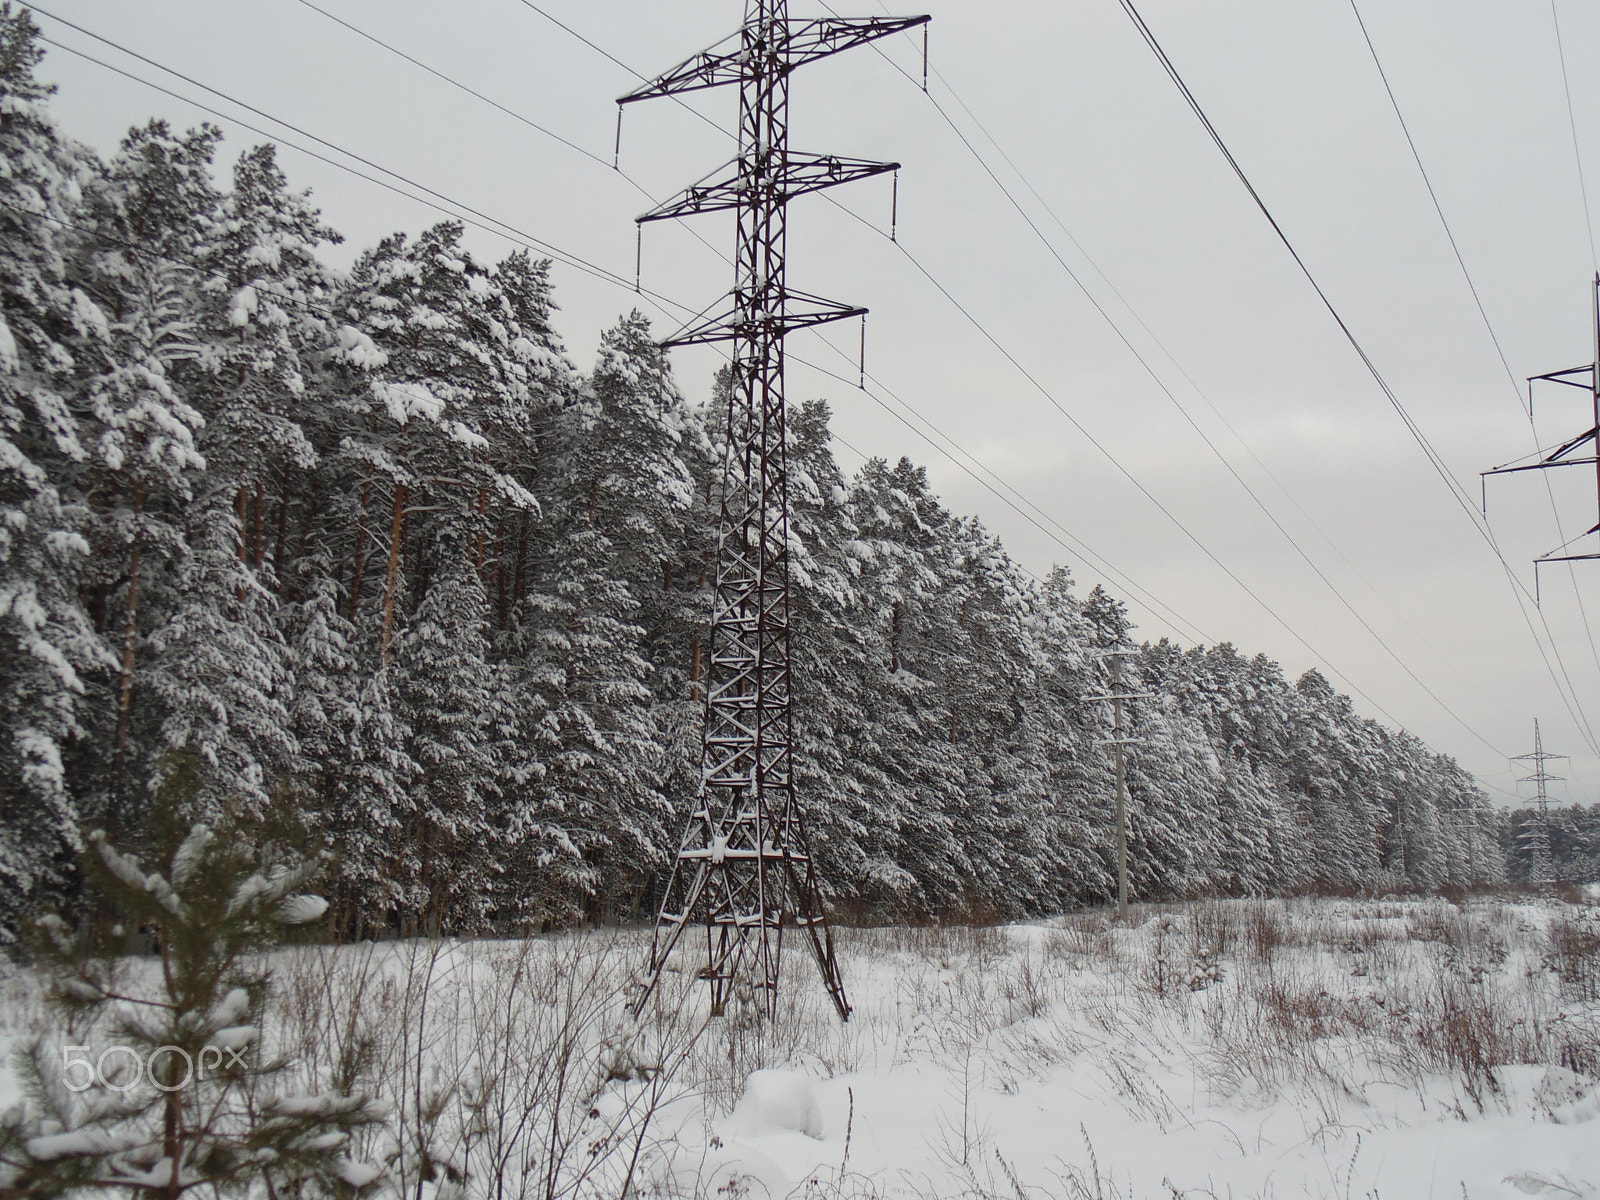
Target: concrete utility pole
x=1541, y=869
x=744, y=869
x=1119, y=740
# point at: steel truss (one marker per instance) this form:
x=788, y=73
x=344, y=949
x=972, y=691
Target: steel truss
x=1536, y=837
x=744, y=869
x=1586, y=378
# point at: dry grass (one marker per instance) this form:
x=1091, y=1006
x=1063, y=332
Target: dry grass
x=516, y=1072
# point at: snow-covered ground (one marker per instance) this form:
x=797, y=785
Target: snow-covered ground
x=1281, y=1049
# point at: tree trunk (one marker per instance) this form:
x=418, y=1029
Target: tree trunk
x=522, y=560
x=282, y=533
x=260, y=530
x=241, y=512
x=308, y=516
x=394, y=570
x=483, y=508
x=500, y=570
x=130, y=637
x=361, y=552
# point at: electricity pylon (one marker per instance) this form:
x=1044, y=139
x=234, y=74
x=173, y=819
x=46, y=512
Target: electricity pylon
x=1586, y=377
x=744, y=868
x=1536, y=837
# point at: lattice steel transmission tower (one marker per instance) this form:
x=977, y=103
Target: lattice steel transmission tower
x=1587, y=378
x=744, y=869
x=1536, y=837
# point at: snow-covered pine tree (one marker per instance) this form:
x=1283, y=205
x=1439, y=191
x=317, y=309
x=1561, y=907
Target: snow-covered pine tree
x=174, y=1092
x=985, y=678
x=1235, y=707
x=48, y=648
x=422, y=355
x=833, y=663
x=628, y=449
x=614, y=511
x=1065, y=722
x=524, y=421
x=223, y=667
x=452, y=845
x=910, y=586
x=263, y=299
x=140, y=232
x=1174, y=783
x=1328, y=764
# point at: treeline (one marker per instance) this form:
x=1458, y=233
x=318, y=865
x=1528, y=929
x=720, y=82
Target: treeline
x=367, y=556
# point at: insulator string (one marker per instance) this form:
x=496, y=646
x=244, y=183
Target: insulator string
x=863, y=362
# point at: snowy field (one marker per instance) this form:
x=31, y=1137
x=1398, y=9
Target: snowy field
x=1342, y=1049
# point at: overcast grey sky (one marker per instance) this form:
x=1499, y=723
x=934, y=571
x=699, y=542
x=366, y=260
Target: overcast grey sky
x=1141, y=208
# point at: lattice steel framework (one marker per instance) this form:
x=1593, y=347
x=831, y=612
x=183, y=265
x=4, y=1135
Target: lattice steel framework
x=744, y=869
x=1536, y=837
x=1567, y=454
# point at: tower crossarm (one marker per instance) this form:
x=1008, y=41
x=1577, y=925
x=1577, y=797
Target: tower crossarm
x=708, y=69
x=1563, y=376
x=797, y=176
x=787, y=44
x=797, y=310
x=810, y=40
x=1556, y=458
x=1585, y=377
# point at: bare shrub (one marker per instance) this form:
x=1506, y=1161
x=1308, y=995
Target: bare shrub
x=514, y=1067
x=1263, y=927
x=1437, y=923
x=1080, y=936
x=1574, y=955
x=1213, y=928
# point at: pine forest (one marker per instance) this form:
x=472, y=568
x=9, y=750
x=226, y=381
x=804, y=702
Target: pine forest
x=367, y=558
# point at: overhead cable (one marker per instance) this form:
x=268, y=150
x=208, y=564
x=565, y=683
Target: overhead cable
x=1573, y=704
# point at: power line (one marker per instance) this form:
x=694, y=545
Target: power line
x=1182, y=410
x=1140, y=487
x=1080, y=548
x=1085, y=551
x=1063, y=537
x=608, y=276
x=515, y=234
x=477, y=218
x=603, y=53
x=565, y=256
x=1577, y=154
x=510, y=112
x=1106, y=453
x=701, y=116
x=1434, y=458
x=455, y=83
x=1477, y=299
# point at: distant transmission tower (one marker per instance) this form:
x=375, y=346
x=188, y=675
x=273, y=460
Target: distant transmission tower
x=744, y=869
x=1586, y=377
x=1536, y=837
